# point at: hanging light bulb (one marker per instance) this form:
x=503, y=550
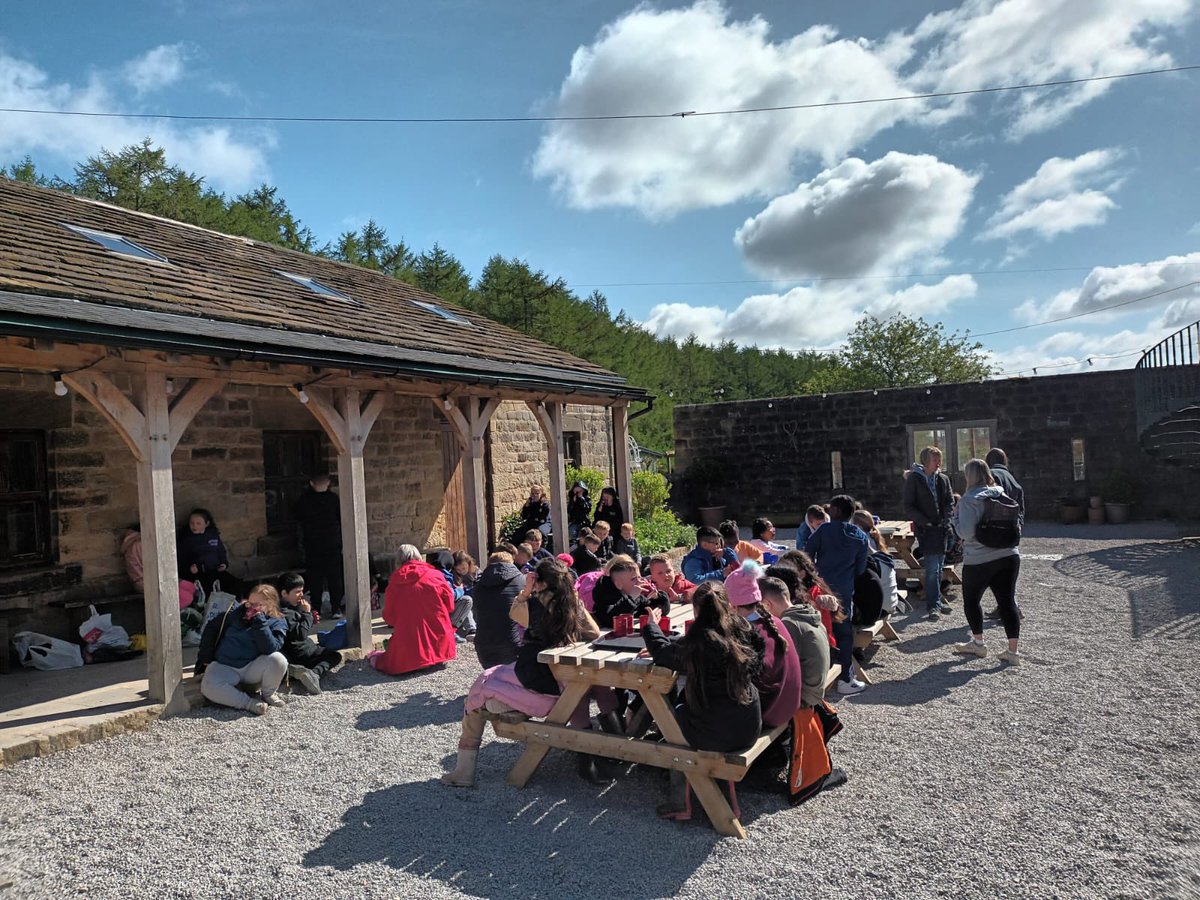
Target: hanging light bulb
x=301, y=393
x=928, y=391
x=446, y=404
x=770, y=406
x=60, y=387
x=823, y=396
x=875, y=393
x=170, y=385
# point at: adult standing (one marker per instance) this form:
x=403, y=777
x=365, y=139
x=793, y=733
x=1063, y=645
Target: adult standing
x=986, y=566
x=319, y=512
x=839, y=549
x=997, y=461
x=928, y=501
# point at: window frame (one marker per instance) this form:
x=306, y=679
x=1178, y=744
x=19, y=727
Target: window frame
x=40, y=497
x=442, y=312
x=98, y=237
x=1079, y=468
x=950, y=451
x=317, y=287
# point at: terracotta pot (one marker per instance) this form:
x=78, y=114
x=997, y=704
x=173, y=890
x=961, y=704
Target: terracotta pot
x=1096, y=515
x=1118, y=513
x=1070, y=515
x=1096, y=503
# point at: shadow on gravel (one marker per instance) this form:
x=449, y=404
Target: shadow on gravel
x=554, y=840
x=415, y=711
x=1160, y=578
x=935, y=681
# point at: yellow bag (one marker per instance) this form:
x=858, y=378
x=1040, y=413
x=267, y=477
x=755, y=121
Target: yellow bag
x=137, y=642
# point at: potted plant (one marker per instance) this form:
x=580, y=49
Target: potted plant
x=1070, y=510
x=1120, y=491
x=703, y=476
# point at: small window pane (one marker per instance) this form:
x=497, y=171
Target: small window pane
x=316, y=287
x=440, y=311
x=835, y=469
x=117, y=244
x=972, y=443
x=1078, y=466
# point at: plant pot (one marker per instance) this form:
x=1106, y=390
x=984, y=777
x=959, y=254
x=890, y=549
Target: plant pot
x=1117, y=513
x=1096, y=515
x=712, y=516
x=1070, y=515
x=1096, y=503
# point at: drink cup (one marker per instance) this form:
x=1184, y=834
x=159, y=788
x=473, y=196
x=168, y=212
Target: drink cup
x=643, y=621
x=687, y=625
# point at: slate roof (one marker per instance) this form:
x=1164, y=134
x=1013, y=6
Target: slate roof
x=216, y=288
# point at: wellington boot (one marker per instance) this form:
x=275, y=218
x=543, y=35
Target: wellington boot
x=679, y=800
x=594, y=770
x=464, y=770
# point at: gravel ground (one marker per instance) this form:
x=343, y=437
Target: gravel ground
x=1073, y=776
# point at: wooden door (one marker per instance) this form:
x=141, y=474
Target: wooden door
x=455, y=498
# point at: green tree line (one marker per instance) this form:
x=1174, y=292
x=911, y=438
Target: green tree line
x=891, y=353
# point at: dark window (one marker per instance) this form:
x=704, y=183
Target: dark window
x=572, y=448
x=290, y=458
x=24, y=502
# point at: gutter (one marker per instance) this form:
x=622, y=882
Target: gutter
x=119, y=336
x=649, y=401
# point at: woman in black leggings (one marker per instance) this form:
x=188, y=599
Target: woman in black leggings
x=986, y=566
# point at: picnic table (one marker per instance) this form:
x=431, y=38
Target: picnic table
x=900, y=539
x=580, y=667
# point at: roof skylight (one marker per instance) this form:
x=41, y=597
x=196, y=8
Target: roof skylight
x=316, y=287
x=440, y=311
x=116, y=243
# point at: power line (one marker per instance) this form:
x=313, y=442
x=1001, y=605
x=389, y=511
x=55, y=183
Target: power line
x=1090, y=312
x=479, y=120
x=824, y=278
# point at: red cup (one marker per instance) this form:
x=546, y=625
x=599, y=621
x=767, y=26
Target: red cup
x=627, y=624
x=619, y=626
x=687, y=625
x=643, y=620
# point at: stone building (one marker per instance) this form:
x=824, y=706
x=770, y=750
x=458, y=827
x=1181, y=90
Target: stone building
x=1064, y=434
x=147, y=367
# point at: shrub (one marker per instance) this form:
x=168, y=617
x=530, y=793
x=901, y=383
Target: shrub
x=661, y=530
x=593, y=478
x=510, y=525
x=650, y=492
x=703, y=475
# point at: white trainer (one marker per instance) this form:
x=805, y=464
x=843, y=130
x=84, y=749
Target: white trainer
x=853, y=686
x=971, y=648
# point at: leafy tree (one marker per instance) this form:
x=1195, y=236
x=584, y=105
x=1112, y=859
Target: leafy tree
x=902, y=352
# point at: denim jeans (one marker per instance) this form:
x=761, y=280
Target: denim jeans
x=933, y=577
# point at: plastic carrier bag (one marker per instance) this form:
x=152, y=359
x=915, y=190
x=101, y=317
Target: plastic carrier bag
x=40, y=651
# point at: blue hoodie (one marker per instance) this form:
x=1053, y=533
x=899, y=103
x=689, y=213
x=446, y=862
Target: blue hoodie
x=699, y=566
x=840, y=551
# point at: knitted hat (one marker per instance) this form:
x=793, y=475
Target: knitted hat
x=742, y=585
x=566, y=558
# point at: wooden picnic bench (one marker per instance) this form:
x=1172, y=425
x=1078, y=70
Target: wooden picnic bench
x=863, y=638
x=580, y=667
x=900, y=539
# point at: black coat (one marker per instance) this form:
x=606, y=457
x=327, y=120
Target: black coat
x=579, y=509
x=496, y=635
x=320, y=516
x=930, y=516
x=608, y=602
x=534, y=514
x=1012, y=487
x=584, y=560
x=296, y=646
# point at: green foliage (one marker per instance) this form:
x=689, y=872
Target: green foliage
x=510, y=527
x=661, y=530
x=902, y=352
x=650, y=492
x=593, y=478
x=703, y=475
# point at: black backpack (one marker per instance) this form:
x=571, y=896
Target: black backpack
x=999, y=522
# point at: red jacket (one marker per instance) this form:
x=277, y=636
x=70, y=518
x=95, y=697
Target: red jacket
x=683, y=587
x=417, y=605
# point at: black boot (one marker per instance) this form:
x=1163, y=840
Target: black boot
x=610, y=723
x=679, y=799
x=592, y=770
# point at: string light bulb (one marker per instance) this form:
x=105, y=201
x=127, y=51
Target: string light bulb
x=301, y=393
x=60, y=387
x=170, y=385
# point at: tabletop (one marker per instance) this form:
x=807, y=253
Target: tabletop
x=584, y=655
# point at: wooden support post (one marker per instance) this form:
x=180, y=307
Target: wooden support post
x=151, y=433
x=550, y=416
x=623, y=474
x=348, y=425
x=470, y=417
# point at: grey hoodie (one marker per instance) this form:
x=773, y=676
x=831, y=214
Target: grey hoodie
x=966, y=517
x=803, y=624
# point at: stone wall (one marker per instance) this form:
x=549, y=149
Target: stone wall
x=778, y=451
x=518, y=450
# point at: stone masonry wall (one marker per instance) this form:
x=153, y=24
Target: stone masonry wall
x=777, y=451
x=519, y=457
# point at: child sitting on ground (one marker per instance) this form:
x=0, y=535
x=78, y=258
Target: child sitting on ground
x=626, y=544
x=603, y=532
x=720, y=654
x=535, y=539
x=308, y=661
x=465, y=571
x=241, y=647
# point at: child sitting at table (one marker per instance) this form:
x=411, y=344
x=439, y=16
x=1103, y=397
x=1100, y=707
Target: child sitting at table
x=622, y=591
x=778, y=681
x=764, y=540
x=549, y=609
x=804, y=626
x=744, y=550
x=797, y=565
x=664, y=577
x=721, y=654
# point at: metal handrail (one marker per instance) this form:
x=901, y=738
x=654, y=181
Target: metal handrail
x=1167, y=384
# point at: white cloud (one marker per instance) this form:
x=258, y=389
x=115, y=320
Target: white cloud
x=805, y=317
x=156, y=69
x=1106, y=286
x=984, y=43
x=229, y=160
x=857, y=216
x=1063, y=195
x=697, y=58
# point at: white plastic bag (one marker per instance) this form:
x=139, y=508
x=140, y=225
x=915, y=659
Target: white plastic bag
x=218, y=602
x=99, y=631
x=40, y=651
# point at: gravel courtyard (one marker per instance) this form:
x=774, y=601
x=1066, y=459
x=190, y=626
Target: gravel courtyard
x=1073, y=776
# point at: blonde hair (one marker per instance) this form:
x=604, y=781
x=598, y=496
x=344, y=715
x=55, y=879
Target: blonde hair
x=864, y=520
x=664, y=558
x=928, y=453
x=500, y=556
x=977, y=472
x=538, y=489
x=602, y=525
x=628, y=525
x=270, y=604
x=620, y=563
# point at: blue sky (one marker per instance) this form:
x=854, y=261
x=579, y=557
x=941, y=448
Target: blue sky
x=731, y=217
